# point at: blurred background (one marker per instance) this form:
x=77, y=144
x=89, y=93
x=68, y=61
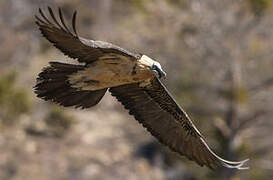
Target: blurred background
x=219, y=59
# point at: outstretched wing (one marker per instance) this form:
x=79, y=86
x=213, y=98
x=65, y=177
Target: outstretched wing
x=74, y=46
x=156, y=110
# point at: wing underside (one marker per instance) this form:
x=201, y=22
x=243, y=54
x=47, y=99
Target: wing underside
x=156, y=110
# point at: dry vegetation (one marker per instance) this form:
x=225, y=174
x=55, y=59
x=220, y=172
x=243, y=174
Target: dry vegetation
x=219, y=61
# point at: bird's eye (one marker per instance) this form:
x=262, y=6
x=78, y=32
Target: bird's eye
x=153, y=67
x=156, y=70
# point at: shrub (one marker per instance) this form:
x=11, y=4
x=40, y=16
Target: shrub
x=14, y=101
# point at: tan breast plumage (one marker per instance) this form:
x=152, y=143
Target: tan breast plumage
x=110, y=71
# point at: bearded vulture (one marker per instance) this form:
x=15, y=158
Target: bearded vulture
x=130, y=77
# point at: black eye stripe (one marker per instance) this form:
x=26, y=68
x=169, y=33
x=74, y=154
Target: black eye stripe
x=155, y=67
x=158, y=71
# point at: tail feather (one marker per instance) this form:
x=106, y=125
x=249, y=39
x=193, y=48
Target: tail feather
x=53, y=85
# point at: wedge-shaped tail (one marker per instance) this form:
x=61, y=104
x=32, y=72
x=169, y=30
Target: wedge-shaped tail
x=53, y=85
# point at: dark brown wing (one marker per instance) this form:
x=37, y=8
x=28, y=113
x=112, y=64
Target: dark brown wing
x=156, y=110
x=84, y=50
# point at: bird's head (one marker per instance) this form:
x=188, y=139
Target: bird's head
x=152, y=65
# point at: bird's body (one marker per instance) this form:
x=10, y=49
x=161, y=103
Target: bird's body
x=132, y=78
x=111, y=71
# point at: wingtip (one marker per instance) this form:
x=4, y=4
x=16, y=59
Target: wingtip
x=37, y=19
x=74, y=22
x=75, y=14
x=60, y=11
x=63, y=22
x=236, y=165
x=41, y=12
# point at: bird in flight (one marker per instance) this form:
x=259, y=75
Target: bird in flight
x=133, y=78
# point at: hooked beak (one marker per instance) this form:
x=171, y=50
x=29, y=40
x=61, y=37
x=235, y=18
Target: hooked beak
x=158, y=70
x=161, y=74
